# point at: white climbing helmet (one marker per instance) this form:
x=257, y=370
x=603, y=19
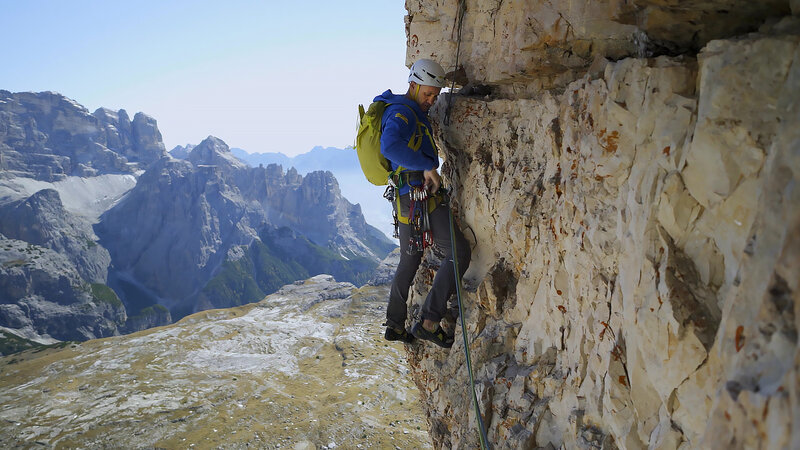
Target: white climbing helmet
x=427, y=72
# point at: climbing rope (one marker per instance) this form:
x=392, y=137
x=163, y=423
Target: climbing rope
x=462, y=9
x=482, y=429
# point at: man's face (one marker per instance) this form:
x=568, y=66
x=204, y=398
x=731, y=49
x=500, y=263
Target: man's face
x=426, y=96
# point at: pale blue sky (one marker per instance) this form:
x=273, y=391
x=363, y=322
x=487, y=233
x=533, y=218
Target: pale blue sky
x=261, y=75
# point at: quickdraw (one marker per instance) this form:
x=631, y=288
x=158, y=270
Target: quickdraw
x=419, y=220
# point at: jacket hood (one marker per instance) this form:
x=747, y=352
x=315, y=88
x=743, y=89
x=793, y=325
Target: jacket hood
x=389, y=97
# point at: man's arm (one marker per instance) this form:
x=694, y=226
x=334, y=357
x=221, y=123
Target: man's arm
x=398, y=128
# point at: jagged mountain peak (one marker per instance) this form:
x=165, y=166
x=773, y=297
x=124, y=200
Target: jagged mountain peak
x=214, y=151
x=109, y=115
x=216, y=209
x=181, y=151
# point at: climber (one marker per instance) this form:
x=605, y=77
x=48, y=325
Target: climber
x=406, y=142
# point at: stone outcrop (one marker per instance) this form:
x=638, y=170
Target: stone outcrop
x=634, y=277
x=384, y=274
x=519, y=46
x=47, y=136
x=42, y=220
x=43, y=297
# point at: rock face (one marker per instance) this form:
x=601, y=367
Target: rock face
x=304, y=368
x=344, y=165
x=47, y=136
x=60, y=168
x=637, y=224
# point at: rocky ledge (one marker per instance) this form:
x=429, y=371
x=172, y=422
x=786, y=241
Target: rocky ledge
x=305, y=368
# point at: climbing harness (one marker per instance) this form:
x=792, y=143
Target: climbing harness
x=482, y=429
x=462, y=9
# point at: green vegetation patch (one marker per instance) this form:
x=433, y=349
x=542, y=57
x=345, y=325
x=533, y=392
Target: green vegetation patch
x=260, y=272
x=317, y=259
x=11, y=343
x=104, y=294
x=154, y=310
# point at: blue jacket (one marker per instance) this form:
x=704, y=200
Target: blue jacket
x=405, y=139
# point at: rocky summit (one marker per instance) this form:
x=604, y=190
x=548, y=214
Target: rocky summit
x=629, y=171
x=305, y=368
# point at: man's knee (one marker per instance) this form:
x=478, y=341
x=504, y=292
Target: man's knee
x=410, y=260
x=408, y=265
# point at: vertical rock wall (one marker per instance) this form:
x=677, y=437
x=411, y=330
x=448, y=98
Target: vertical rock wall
x=636, y=211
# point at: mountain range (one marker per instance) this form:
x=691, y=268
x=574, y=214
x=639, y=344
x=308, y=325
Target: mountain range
x=336, y=160
x=342, y=162
x=103, y=232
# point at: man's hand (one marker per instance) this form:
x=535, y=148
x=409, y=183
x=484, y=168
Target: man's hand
x=432, y=180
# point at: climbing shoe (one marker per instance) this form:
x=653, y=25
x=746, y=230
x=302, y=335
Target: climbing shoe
x=393, y=334
x=438, y=337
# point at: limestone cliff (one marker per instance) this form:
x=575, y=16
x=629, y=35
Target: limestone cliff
x=630, y=172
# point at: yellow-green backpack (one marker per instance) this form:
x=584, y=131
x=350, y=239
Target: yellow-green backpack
x=376, y=168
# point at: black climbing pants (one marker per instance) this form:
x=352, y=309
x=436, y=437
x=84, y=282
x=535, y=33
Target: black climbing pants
x=444, y=283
